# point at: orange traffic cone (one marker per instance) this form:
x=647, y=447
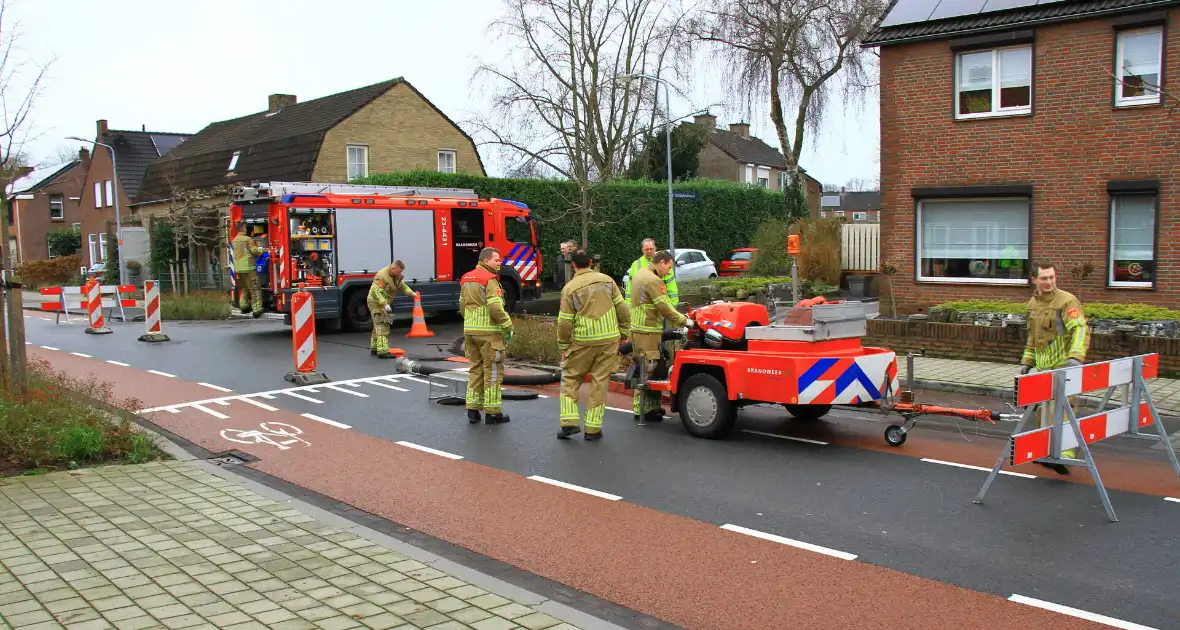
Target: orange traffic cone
x=418, y=329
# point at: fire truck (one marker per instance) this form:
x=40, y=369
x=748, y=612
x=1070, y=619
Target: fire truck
x=333, y=238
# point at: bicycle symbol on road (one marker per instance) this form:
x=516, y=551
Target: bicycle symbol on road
x=278, y=434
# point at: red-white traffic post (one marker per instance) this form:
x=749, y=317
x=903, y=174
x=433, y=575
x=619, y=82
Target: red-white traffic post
x=1045, y=444
x=303, y=340
x=151, y=313
x=93, y=302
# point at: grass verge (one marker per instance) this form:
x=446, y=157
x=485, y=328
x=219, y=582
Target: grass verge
x=60, y=424
x=195, y=306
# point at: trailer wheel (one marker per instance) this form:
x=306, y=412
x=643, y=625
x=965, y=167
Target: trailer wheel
x=808, y=412
x=511, y=297
x=894, y=435
x=705, y=409
x=356, y=312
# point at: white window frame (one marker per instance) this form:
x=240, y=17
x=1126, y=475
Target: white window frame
x=454, y=160
x=233, y=161
x=995, y=111
x=920, y=230
x=61, y=215
x=1153, y=96
x=102, y=247
x=98, y=194
x=348, y=161
x=92, y=246
x=1110, y=243
x=860, y=216
x=783, y=180
x=110, y=193
x=749, y=174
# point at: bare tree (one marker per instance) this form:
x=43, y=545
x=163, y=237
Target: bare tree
x=61, y=155
x=792, y=51
x=558, y=104
x=195, y=217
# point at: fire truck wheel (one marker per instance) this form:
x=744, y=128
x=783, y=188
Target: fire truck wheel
x=808, y=412
x=705, y=408
x=511, y=295
x=356, y=312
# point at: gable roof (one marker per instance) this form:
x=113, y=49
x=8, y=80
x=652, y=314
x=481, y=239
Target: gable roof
x=40, y=178
x=135, y=150
x=749, y=150
x=861, y=200
x=984, y=19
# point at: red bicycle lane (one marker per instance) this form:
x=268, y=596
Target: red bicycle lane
x=687, y=572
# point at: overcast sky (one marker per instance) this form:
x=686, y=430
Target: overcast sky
x=178, y=65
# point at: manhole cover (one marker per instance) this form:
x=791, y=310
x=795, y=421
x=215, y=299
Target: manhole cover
x=231, y=458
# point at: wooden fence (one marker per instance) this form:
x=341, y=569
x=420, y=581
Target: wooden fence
x=861, y=247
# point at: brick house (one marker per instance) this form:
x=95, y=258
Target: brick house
x=857, y=206
x=380, y=128
x=42, y=201
x=134, y=151
x=1025, y=134
x=734, y=156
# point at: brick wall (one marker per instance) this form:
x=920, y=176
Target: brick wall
x=34, y=219
x=94, y=220
x=1068, y=149
x=403, y=132
x=1004, y=344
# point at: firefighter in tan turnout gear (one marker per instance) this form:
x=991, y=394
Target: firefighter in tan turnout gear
x=486, y=329
x=593, y=317
x=387, y=285
x=650, y=307
x=1058, y=336
x=246, y=253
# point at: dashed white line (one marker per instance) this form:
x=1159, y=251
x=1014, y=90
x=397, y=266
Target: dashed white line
x=50, y=348
x=217, y=387
x=970, y=467
x=331, y=423
x=629, y=411
x=84, y=356
x=162, y=373
x=1172, y=499
x=427, y=449
x=341, y=389
x=119, y=363
x=785, y=437
x=215, y=414
x=788, y=541
x=570, y=486
x=1080, y=614
x=387, y=386
x=258, y=404
x=302, y=397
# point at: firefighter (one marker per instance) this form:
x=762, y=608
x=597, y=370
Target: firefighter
x=649, y=249
x=387, y=285
x=486, y=330
x=246, y=253
x=650, y=309
x=592, y=319
x=1058, y=336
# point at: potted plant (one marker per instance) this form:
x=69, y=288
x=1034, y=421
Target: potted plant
x=134, y=269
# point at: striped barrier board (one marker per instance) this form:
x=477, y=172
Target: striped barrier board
x=1037, y=388
x=64, y=303
x=303, y=339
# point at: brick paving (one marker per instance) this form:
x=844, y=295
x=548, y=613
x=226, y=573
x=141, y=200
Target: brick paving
x=167, y=545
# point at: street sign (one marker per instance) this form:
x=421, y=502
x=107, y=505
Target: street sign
x=684, y=195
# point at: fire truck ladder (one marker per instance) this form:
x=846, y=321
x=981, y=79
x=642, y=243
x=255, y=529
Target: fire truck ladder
x=277, y=190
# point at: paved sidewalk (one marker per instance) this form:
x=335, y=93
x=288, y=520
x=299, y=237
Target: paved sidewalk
x=996, y=379
x=168, y=545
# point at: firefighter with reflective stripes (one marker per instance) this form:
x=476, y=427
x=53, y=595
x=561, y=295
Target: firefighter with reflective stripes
x=650, y=309
x=486, y=329
x=593, y=317
x=644, y=261
x=246, y=253
x=387, y=285
x=1058, y=336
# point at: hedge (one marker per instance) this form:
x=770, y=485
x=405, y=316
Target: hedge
x=725, y=215
x=1096, y=310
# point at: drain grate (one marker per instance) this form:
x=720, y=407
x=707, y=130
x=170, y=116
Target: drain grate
x=231, y=458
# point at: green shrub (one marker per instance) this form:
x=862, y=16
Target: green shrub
x=772, y=258
x=64, y=242
x=58, y=424
x=194, y=306
x=1097, y=310
x=725, y=216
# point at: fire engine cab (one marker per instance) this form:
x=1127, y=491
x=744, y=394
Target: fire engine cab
x=333, y=238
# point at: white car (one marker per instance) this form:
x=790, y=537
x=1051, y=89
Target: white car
x=694, y=264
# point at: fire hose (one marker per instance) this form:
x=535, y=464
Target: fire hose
x=418, y=365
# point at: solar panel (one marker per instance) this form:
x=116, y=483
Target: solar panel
x=909, y=11
x=1047, y=1
x=1004, y=5
x=164, y=144
x=957, y=8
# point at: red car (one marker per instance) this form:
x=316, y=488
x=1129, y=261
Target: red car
x=736, y=262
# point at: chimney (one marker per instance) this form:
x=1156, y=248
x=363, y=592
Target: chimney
x=742, y=129
x=708, y=121
x=102, y=129
x=275, y=102
x=84, y=155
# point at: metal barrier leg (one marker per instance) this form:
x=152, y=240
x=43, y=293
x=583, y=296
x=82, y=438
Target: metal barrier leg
x=1005, y=454
x=1159, y=423
x=1088, y=460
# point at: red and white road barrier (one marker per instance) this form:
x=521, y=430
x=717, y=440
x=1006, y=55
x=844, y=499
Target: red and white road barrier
x=304, y=340
x=65, y=301
x=93, y=291
x=151, y=313
x=1067, y=432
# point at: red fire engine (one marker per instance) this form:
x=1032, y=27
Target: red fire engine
x=337, y=236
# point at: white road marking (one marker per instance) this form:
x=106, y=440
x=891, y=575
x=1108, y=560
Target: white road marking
x=387, y=386
x=570, y=486
x=307, y=398
x=341, y=389
x=969, y=466
x=787, y=541
x=258, y=404
x=627, y=411
x=418, y=380
x=84, y=356
x=1080, y=614
x=217, y=387
x=785, y=437
x=221, y=402
x=312, y=390
x=294, y=391
x=50, y=348
x=541, y=396
x=266, y=396
x=427, y=449
x=119, y=363
x=1171, y=499
x=162, y=373
x=215, y=414
x=331, y=423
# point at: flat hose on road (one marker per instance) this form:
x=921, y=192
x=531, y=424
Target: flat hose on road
x=408, y=365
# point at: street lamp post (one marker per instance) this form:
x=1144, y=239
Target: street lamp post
x=627, y=78
x=115, y=192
